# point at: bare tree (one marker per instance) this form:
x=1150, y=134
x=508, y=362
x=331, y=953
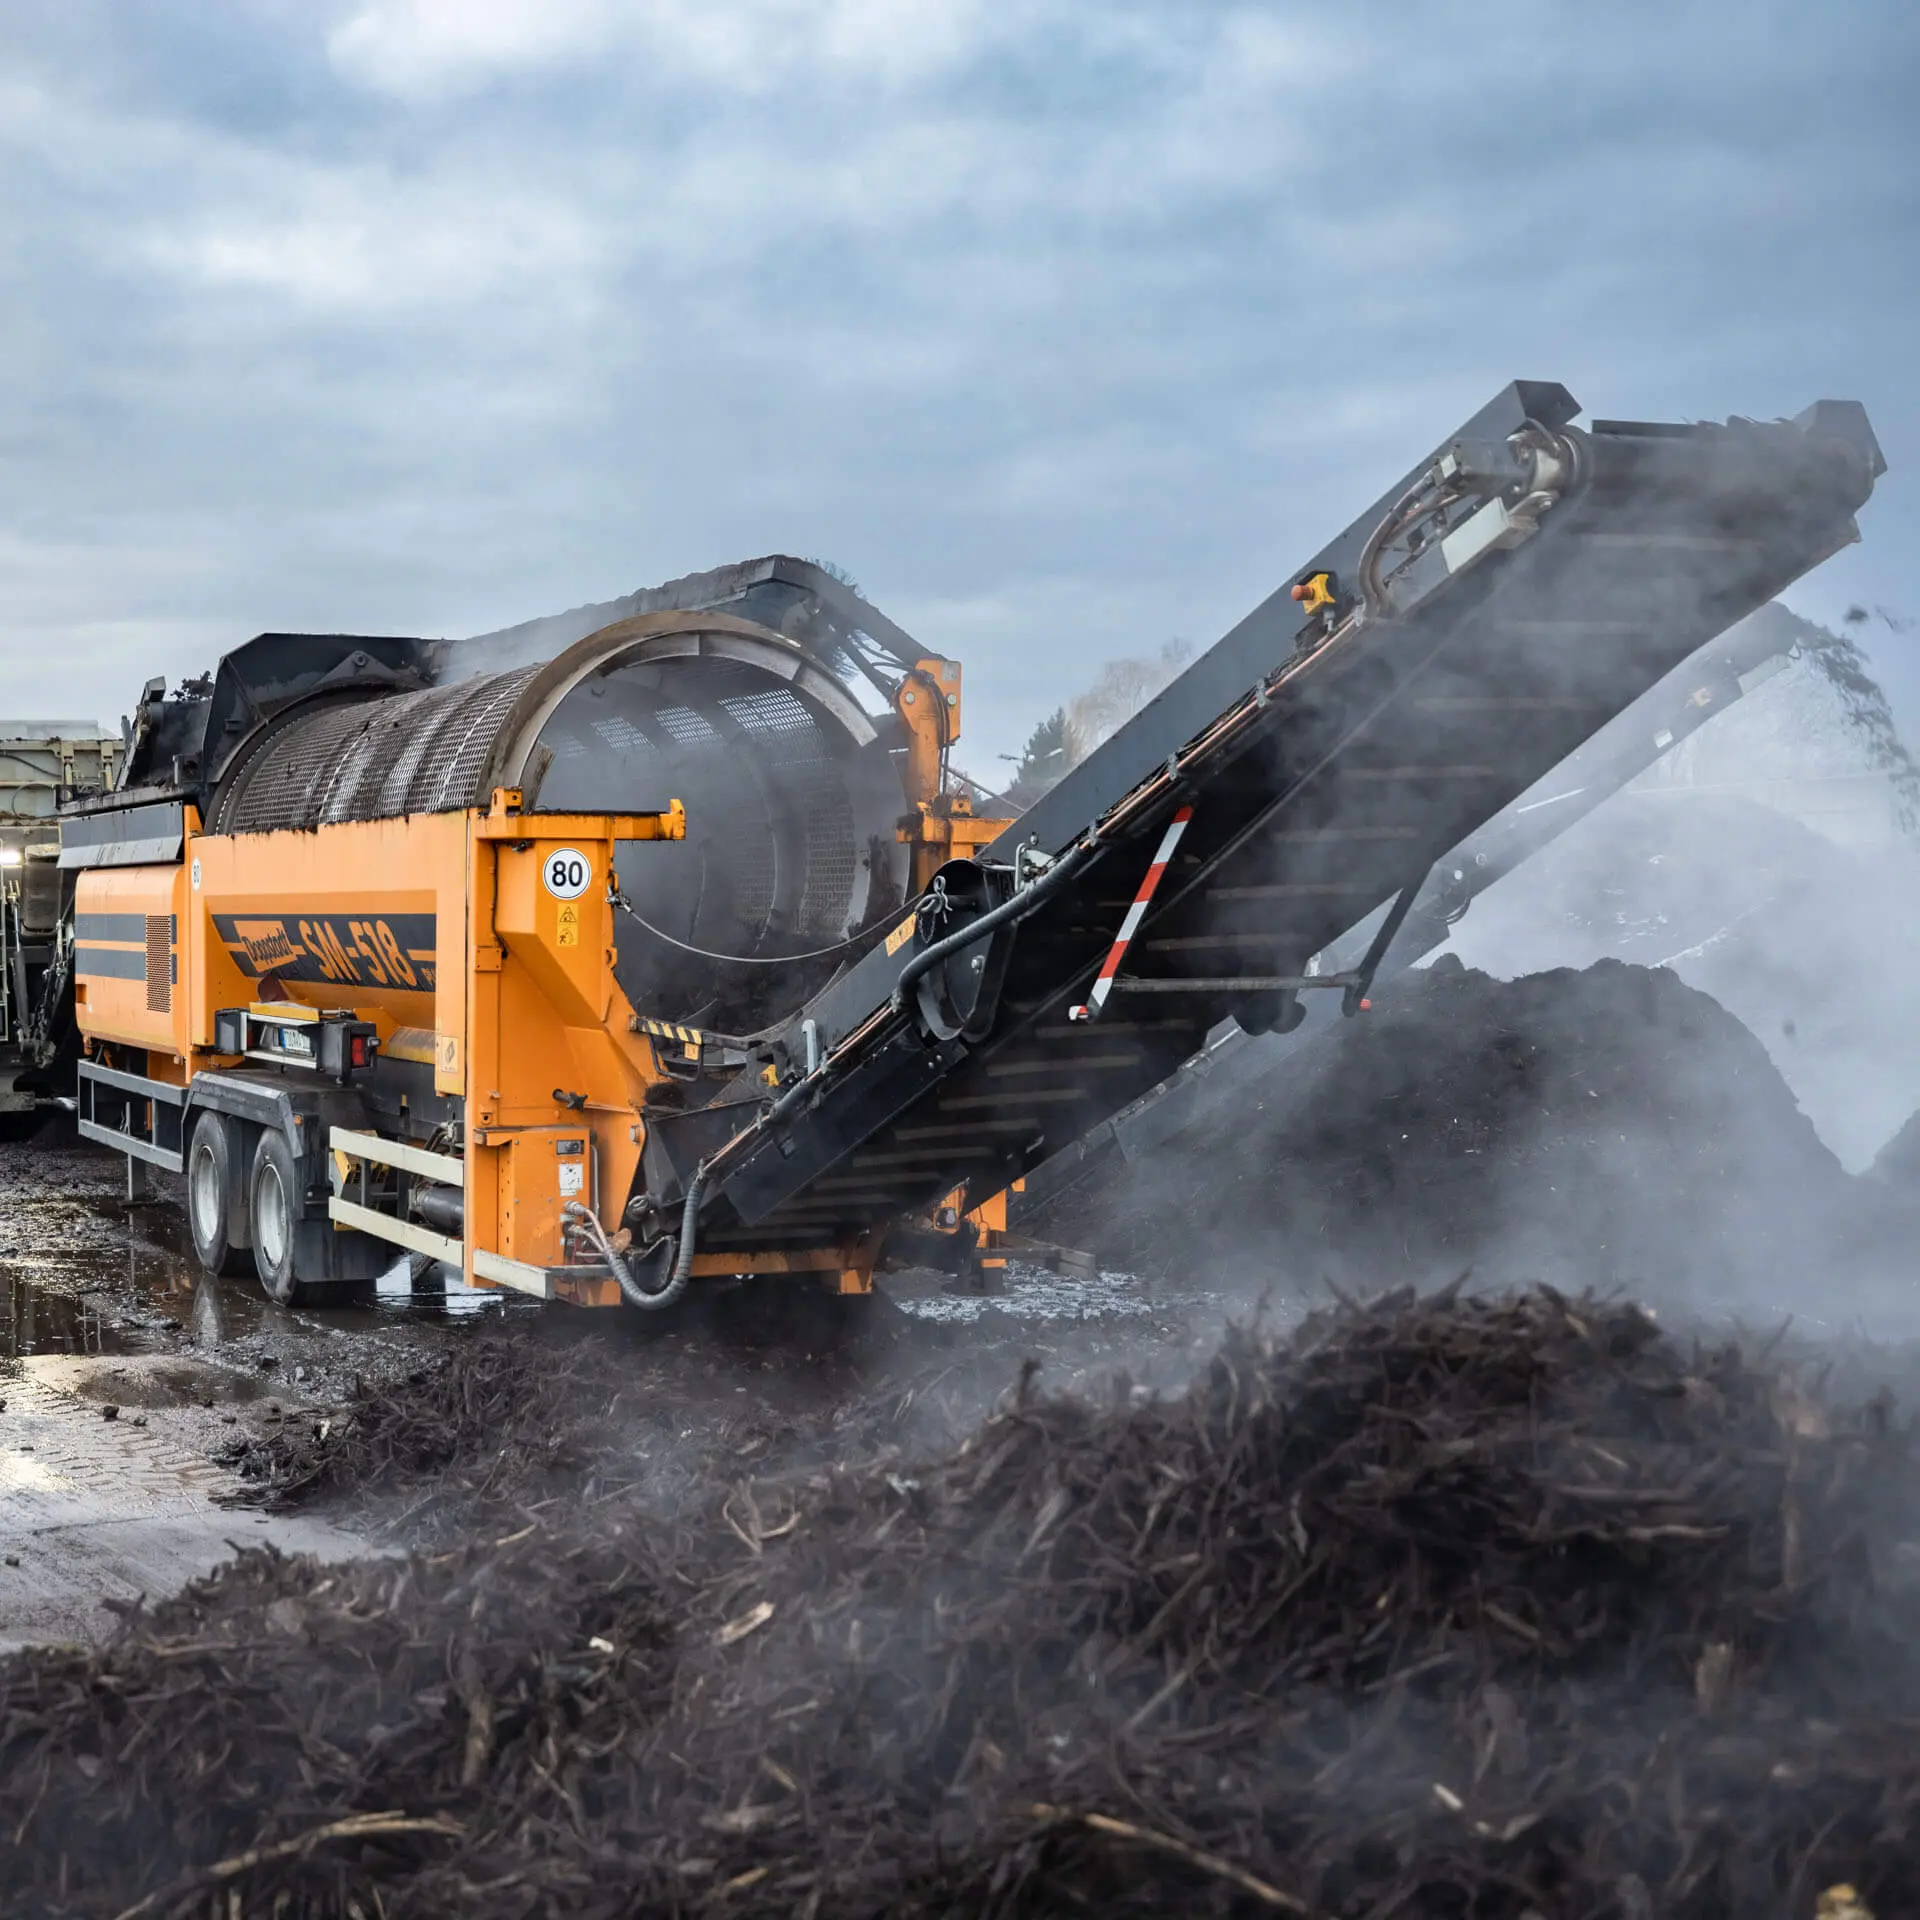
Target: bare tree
x=1119, y=691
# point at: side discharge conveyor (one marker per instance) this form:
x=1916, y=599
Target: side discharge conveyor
x=1233, y=1061
x=1511, y=595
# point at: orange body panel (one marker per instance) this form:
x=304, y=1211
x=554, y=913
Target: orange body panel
x=540, y=1170
x=368, y=916
x=131, y=969
x=438, y=925
x=547, y=1019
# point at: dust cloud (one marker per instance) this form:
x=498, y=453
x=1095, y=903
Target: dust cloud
x=1770, y=861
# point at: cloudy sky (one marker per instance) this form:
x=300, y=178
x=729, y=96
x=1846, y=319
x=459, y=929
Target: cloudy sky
x=1068, y=326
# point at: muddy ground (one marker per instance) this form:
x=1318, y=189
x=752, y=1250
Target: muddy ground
x=130, y=1386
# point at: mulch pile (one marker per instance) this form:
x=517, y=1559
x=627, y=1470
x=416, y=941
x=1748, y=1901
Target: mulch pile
x=509, y=1410
x=1444, y=1607
x=517, y=1421
x=1606, y=1127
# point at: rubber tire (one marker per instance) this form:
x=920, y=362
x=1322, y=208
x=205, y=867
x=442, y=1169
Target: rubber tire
x=211, y=1181
x=274, y=1197
x=427, y=1277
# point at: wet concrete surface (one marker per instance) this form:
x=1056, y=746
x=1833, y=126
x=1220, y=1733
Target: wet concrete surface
x=121, y=1375
x=83, y=1271
x=108, y=1494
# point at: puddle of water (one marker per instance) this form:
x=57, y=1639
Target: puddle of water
x=150, y=1380
x=444, y=1295
x=33, y=1320
x=82, y=1272
x=107, y=1303
x=208, y=1322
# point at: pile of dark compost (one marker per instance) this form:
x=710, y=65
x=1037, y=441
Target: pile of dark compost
x=513, y=1420
x=499, y=1418
x=1609, y=1127
x=1450, y=1607
x=1751, y=907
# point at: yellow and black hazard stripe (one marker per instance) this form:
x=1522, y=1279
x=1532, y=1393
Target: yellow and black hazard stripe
x=682, y=1049
x=690, y=1040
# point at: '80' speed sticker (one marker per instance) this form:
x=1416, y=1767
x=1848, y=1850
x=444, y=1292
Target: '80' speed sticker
x=567, y=873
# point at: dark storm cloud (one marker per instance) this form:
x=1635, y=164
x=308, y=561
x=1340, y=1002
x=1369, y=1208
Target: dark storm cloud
x=1065, y=329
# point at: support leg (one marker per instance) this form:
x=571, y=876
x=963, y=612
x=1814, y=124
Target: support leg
x=1355, y=996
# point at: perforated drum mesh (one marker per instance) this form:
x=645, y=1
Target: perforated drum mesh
x=372, y=759
x=783, y=810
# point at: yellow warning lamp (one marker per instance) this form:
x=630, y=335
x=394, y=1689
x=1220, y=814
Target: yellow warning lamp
x=1317, y=590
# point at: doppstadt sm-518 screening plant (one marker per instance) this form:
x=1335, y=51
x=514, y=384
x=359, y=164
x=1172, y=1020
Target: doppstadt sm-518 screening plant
x=681, y=949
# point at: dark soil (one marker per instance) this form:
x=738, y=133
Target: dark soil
x=1456, y=1607
x=1610, y=1127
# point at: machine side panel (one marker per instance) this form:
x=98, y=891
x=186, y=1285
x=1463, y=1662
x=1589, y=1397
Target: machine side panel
x=127, y=957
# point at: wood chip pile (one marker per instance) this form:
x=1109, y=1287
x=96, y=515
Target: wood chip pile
x=1443, y=1607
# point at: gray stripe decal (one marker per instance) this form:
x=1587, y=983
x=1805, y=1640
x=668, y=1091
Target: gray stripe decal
x=130, y=929
x=108, y=963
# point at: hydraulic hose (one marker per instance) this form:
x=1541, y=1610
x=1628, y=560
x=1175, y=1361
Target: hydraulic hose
x=697, y=1184
x=631, y=1290
x=1005, y=914
x=1373, y=593
x=1551, y=465
x=689, y=1228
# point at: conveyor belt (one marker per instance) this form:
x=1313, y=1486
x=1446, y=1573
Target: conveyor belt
x=1235, y=1064
x=1498, y=607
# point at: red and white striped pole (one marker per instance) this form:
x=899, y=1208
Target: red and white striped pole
x=1131, y=924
